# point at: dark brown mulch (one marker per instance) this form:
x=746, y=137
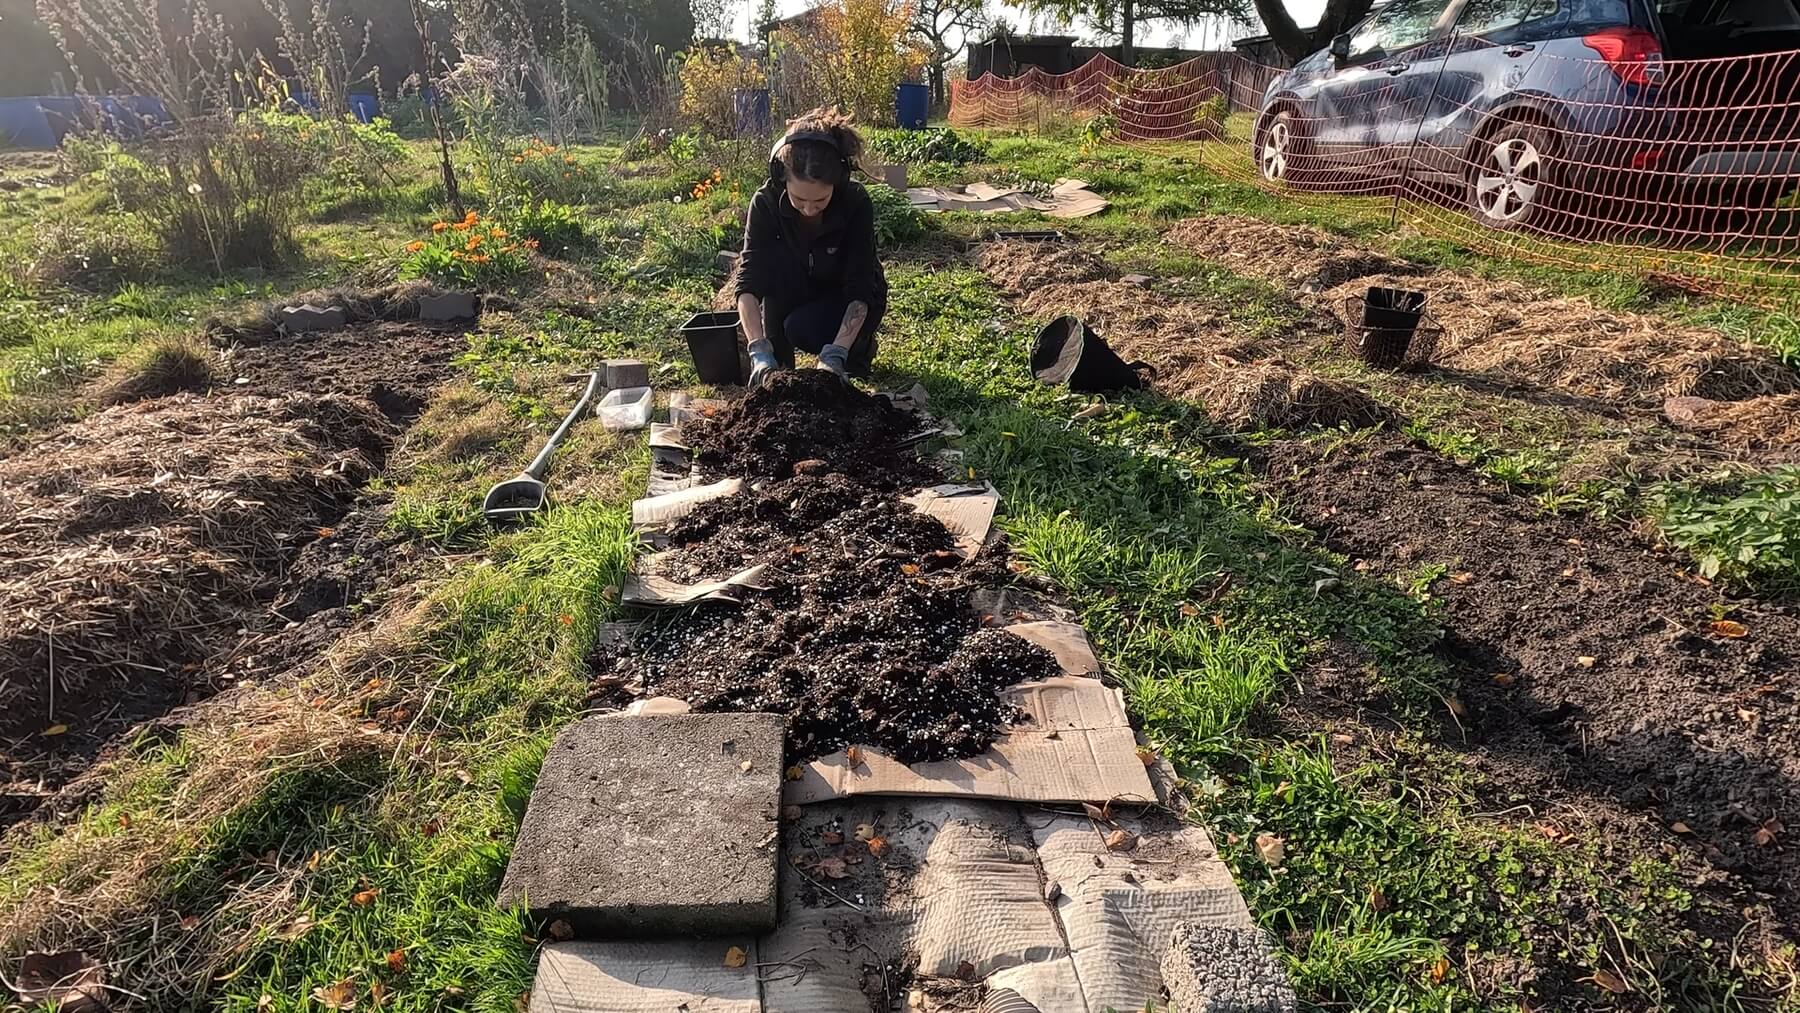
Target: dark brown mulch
x=807, y=415
x=1588, y=659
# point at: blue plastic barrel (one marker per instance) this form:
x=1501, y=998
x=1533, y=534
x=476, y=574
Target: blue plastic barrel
x=752, y=108
x=365, y=106
x=912, y=106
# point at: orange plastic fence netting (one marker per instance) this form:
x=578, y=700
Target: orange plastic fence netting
x=1607, y=158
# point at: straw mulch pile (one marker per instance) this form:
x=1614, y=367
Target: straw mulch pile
x=133, y=542
x=1295, y=256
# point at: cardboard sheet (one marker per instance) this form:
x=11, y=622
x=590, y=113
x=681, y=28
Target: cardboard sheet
x=966, y=509
x=671, y=462
x=1076, y=745
x=684, y=406
x=1069, y=198
x=1068, y=641
x=582, y=977
x=655, y=511
x=1121, y=908
x=649, y=589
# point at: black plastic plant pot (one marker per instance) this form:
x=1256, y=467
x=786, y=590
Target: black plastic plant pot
x=1031, y=235
x=1389, y=319
x=1069, y=352
x=712, y=341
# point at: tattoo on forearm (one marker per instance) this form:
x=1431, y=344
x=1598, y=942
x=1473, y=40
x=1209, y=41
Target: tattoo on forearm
x=853, y=321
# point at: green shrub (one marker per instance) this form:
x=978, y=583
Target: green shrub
x=936, y=144
x=468, y=254
x=557, y=227
x=896, y=220
x=1746, y=530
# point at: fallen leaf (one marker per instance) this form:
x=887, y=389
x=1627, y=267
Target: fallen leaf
x=854, y=756
x=795, y=772
x=1457, y=707
x=431, y=828
x=1270, y=849
x=1190, y=611
x=1462, y=577
x=746, y=766
x=1586, y=661
x=1730, y=628
x=831, y=837
x=340, y=995
x=1766, y=834
x=377, y=993
x=965, y=971
x=566, y=619
x=313, y=860
x=326, y=532
x=736, y=957
x=1440, y=971
x=1096, y=813
x=865, y=831
x=396, y=961
x=1146, y=756
x=1377, y=900
x=55, y=730
x=909, y=568
x=1610, y=981
x=1505, y=679
x=363, y=898
x=560, y=930
x=831, y=868
x=300, y=926
x=1119, y=840
x=877, y=846
x=464, y=776
x=190, y=922
x=124, y=821
x=1680, y=827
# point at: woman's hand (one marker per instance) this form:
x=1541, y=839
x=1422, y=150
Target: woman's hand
x=836, y=359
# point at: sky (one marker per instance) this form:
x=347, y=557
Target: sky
x=1153, y=35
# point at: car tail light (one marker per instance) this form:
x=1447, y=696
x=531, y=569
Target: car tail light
x=1633, y=54
x=1647, y=158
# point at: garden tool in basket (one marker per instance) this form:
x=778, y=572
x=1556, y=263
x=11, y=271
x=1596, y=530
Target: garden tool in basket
x=524, y=493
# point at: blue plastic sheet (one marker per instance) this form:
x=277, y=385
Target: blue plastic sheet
x=22, y=125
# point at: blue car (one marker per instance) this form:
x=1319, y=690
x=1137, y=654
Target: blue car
x=1581, y=112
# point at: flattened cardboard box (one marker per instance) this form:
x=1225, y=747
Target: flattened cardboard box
x=645, y=978
x=1075, y=746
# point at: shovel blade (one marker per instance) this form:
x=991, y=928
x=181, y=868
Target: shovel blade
x=514, y=497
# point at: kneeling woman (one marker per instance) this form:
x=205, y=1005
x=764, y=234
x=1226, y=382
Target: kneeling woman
x=808, y=277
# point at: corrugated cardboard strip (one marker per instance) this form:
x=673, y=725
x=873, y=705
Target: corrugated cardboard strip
x=659, y=977
x=1069, y=198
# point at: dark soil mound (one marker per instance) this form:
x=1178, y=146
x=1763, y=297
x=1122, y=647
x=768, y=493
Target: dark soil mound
x=786, y=522
x=868, y=638
x=393, y=365
x=1591, y=664
x=805, y=415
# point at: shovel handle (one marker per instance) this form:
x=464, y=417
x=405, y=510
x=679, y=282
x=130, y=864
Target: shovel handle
x=541, y=463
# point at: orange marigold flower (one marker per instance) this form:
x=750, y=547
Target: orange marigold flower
x=415, y=246
x=518, y=159
x=474, y=241
x=471, y=218
x=480, y=258
x=498, y=232
x=531, y=244
x=565, y=175
x=568, y=159
x=439, y=226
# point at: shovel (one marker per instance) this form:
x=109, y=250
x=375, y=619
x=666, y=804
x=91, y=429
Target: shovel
x=524, y=493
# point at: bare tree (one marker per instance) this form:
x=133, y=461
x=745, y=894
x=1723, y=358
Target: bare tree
x=1299, y=42
x=945, y=26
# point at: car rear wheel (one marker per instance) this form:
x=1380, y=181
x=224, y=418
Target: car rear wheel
x=1280, y=149
x=1511, y=184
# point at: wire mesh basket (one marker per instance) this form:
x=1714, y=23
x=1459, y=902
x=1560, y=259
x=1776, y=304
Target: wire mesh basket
x=1389, y=329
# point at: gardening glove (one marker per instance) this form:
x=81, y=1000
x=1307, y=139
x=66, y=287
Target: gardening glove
x=762, y=362
x=837, y=359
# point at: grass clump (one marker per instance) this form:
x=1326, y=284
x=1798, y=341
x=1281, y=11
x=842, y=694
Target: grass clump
x=158, y=368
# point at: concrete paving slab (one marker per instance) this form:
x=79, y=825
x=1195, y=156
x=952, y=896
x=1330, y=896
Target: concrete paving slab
x=654, y=825
x=447, y=307
x=590, y=977
x=308, y=317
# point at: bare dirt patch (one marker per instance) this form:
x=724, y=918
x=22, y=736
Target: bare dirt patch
x=135, y=544
x=1587, y=659
x=1243, y=384
x=392, y=365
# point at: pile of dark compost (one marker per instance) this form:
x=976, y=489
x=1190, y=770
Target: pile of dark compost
x=807, y=415
x=140, y=543
x=783, y=523
x=866, y=636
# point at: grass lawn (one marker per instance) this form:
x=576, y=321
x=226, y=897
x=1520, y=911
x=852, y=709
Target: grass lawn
x=341, y=829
